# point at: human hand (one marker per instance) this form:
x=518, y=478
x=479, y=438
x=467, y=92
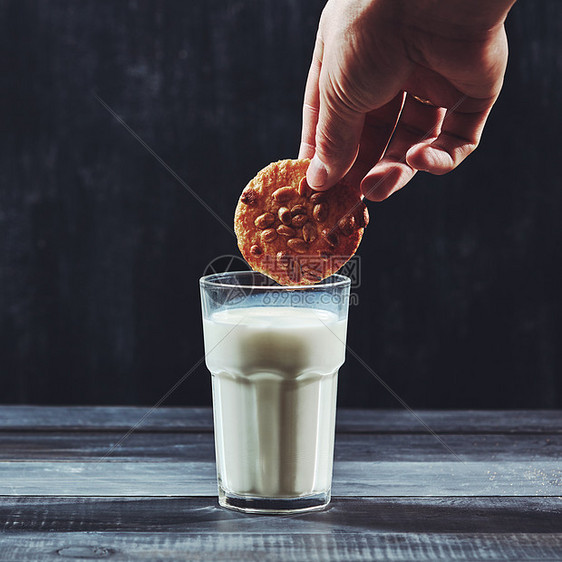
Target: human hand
x=423, y=74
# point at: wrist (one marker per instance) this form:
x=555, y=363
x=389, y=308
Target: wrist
x=452, y=18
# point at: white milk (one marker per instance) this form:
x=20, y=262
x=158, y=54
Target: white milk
x=274, y=396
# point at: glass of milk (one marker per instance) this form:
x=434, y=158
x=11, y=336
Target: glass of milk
x=274, y=353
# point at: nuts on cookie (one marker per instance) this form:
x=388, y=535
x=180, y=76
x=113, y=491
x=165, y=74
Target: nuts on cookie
x=293, y=234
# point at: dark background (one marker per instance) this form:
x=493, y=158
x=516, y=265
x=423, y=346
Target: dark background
x=101, y=247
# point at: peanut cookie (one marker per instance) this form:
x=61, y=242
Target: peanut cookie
x=292, y=233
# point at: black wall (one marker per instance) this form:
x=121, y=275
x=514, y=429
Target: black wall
x=101, y=247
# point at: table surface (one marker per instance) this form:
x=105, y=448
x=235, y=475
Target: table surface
x=126, y=483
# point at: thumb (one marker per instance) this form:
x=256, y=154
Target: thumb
x=338, y=131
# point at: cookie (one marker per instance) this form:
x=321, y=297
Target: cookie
x=293, y=234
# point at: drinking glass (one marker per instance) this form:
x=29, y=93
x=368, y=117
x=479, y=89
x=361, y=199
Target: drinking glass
x=274, y=353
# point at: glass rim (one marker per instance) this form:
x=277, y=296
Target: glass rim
x=335, y=280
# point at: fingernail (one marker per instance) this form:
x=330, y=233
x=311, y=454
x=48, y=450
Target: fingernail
x=370, y=187
x=380, y=184
x=317, y=174
x=427, y=158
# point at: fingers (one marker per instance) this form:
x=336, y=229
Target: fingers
x=418, y=123
x=346, y=81
x=377, y=131
x=338, y=131
x=429, y=139
x=459, y=136
x=331, y=129
x=311, y=103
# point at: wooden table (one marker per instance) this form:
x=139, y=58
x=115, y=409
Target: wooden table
x=74, y=483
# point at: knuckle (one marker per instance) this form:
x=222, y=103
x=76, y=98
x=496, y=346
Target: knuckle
x=329, y=142
x=457, y=147
x=335, y=133
x=462, y=152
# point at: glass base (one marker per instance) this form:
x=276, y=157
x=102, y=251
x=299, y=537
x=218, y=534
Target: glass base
x=274, y=506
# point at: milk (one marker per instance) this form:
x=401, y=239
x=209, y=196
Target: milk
x=274, y=372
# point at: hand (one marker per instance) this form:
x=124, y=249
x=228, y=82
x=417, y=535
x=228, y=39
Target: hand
x=423, y=74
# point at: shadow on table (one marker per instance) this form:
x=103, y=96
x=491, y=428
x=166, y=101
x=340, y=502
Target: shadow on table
x=202, y=514
x=444, y=515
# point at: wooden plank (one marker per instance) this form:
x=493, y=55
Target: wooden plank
x=108, y=478
x=196, y=515
x=469, y=447
x=122, y=418
x=179, y=446
x=91, y=446
x=112, y=418
x=375, y=479
x=450, y=421
x=348, y=546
